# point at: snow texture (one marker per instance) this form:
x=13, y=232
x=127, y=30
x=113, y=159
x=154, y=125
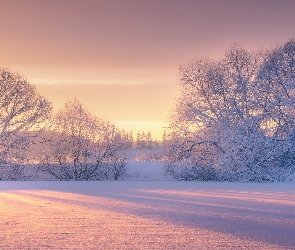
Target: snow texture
x=146, y=215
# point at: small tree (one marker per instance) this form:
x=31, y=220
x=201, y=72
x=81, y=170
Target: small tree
x=140, y=140
x=149, y=140
x=144, y=140
x=127, y=139
x=83, y=147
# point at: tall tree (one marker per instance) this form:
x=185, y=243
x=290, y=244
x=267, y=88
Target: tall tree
x=22, y=109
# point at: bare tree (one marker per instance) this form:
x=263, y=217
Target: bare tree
x=83, y=147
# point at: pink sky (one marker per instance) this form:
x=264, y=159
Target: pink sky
x=130, y=42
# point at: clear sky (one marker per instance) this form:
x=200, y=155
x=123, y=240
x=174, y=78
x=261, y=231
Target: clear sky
x=120, y=57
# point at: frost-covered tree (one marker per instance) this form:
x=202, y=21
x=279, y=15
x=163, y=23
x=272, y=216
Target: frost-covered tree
x=233, y=116
x=149, y=140
x=276, y=96
x=127, y=139
x=83, y=147
x=140, y=140
x=276, y=88
x=22, y=111
x=144, y=140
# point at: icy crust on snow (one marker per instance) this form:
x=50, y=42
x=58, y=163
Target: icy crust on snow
x=147, y=215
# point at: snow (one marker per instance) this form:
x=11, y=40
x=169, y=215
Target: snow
x=153, y=214
x=145, y=170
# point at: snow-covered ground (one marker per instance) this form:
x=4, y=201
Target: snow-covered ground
x=145, y=171
x=151, y=214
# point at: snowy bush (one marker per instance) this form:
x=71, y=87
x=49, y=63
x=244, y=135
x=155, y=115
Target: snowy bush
x=19, y=172
x=190, y=173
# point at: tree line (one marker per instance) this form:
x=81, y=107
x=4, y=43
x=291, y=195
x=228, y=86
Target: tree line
x=70, y=145
x=233, y=121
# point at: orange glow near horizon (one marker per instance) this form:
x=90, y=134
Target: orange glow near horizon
x=131, y=107
x=120, y=58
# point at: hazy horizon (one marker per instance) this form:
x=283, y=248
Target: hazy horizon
x=120, y=58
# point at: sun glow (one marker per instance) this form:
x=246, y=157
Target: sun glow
x=131, y=107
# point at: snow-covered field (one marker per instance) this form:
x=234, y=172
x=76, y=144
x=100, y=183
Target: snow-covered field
x=145, y=171
x=150, y=214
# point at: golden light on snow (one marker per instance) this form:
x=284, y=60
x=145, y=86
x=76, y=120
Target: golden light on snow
x=51, y=219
